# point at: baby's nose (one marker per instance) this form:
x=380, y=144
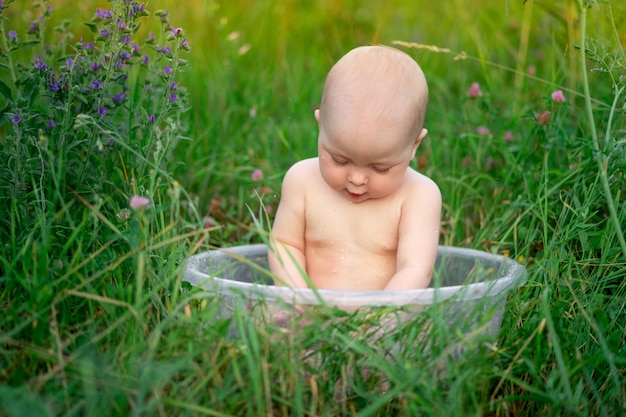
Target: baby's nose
x=357, y=176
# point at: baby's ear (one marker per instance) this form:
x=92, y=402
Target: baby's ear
x=317, y=115
x=421, y=136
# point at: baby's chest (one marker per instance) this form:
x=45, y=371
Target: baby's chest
x=369, y=227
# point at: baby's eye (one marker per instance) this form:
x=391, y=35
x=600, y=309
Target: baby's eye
x=339, y=161
x=382, y=170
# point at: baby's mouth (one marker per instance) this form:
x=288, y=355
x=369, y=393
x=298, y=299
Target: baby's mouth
x=355, y=195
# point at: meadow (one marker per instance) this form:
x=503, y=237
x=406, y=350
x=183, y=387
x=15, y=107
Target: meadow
x=122, y=154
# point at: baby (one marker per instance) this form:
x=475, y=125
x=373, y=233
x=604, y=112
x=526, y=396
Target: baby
x=358, y=217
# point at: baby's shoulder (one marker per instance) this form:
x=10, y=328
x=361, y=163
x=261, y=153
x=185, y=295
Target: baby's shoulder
x=419, y=186
x=302, y=173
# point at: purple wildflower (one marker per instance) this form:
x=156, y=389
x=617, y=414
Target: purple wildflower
x=151, y=119
x=16, y=118
x=39, y=64
x=184, y=44
x=50, y=124
x=13, y=36
x=102, y=111
x=126, y=39
x=95, y=67
x=145, y=59
x=168, y=70
x=138, y=202
x=135, y=48
x=103, y=14
x=105, y=33
x=173, y=86
x=166, y=50
x=95, y=84
x=33, y=28
x=151, y=38
x=119, y=97
x=173, y=98
x=90, y=46
x=122, y=26
x=1, y=4
x=53, y=85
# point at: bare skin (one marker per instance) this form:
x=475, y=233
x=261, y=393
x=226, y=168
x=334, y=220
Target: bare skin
x=357, y=217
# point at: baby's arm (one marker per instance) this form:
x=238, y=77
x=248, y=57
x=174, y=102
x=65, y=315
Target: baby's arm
x=286, y=255
x=418, y=238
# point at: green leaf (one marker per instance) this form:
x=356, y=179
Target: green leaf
x=5, y=90
x=24, y=45
x=92, y=27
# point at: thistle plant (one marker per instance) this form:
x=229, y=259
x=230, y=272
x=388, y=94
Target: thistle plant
x=91, y=114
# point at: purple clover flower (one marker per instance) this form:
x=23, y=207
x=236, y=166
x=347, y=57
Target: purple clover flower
x=558, y=96
x=123, y=214
x=257, y=175
x=138, y=202
x=474, y=91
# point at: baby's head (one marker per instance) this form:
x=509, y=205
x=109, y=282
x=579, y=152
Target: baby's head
x=372, y=111
x=379, y=84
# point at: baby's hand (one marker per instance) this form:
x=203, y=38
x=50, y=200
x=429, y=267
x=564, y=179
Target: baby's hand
x=282, y=316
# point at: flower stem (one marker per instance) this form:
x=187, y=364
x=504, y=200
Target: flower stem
x=600, y=156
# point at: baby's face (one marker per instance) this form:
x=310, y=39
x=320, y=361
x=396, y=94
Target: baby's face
x=361, y=158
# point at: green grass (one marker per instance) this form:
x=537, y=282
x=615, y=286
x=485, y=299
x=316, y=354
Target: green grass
x=95, y=319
